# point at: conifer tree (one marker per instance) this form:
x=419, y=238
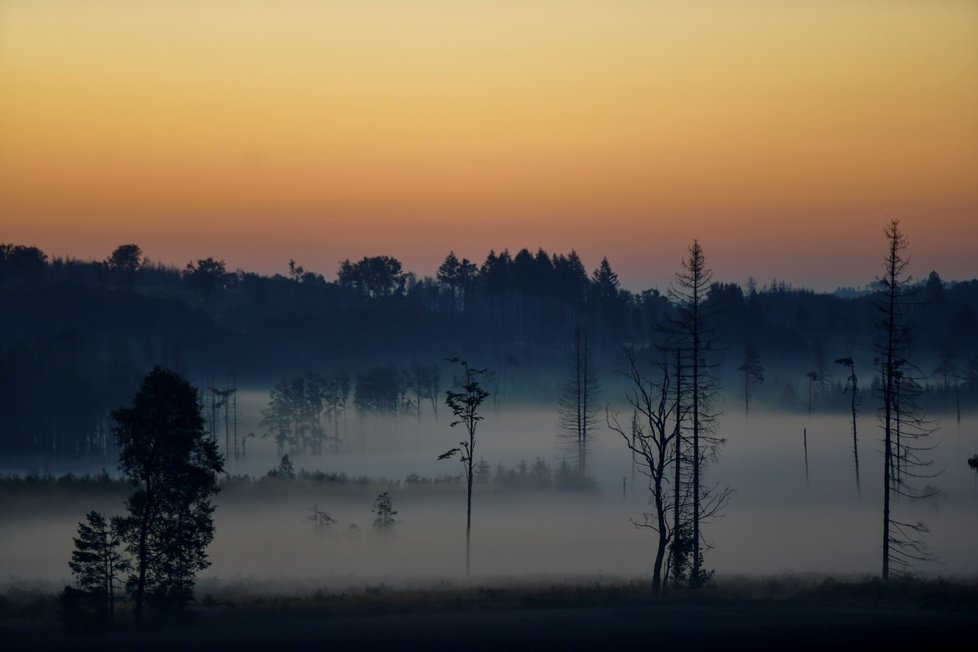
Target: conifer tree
x=97, y=562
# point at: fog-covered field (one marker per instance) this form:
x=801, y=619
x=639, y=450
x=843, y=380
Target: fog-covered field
x=775, y=522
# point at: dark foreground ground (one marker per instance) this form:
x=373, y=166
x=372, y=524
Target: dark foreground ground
x=866, y=616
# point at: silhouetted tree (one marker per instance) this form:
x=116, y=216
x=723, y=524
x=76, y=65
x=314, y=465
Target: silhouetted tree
x=611, y=309
x=822, y=370
x=852, y=386
x=21, y=265
x=579, y=395
x=934, y=289
x=173, y=468
x=812, y=379
x=294, y=414
x=457, y=277
x=124, y=262
x=374, y=276
x=97, y=562
x=285, y=469
x=208, y=279
x=694, y=332
x=320, y=519
x=680, y=547
x=465, y=406
x=384, y=513
x=296, y=272
x=753, y=374
x=904, y=431
x=651, y=439
x=606, y=284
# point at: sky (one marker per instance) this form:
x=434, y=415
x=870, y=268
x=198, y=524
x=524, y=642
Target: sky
x=781, y=135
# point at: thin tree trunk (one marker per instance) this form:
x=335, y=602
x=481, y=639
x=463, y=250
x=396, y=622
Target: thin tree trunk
x=660, y=551
x=887, y=407
x=468, y=510
x=855, y=439
x=805, y=444
x=676, y=557
x=697, y=562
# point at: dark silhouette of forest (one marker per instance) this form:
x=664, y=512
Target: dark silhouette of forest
x=77, y=336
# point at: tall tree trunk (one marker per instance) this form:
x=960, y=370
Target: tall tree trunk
x=468, y=509
x=888, y=373
x=855, y=438
x=677, y=559
x=697, y=561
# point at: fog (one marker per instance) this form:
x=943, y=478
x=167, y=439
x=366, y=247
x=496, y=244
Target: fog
x=772, y=524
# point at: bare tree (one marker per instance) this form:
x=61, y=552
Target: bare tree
x=679, y=555
x=650, y=438
x=320, y=519
x=577, y=416
x=905, y=431
x=852, y=387
x=465, y=408
x=694, y=333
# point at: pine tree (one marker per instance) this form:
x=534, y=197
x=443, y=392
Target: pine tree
x=693, y=330
x=97, y=562
x=384, y=513
x=905, y=431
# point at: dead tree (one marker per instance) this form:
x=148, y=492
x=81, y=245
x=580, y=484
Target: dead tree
x=577, y=414
x=905, y=430
x=693, y=332
x=651, y=438
x=852, y=387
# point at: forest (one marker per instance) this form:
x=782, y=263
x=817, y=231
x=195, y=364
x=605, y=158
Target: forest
x=167, y=377
x=76, y=336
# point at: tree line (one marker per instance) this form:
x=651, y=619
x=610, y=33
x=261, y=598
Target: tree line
x=77, y=336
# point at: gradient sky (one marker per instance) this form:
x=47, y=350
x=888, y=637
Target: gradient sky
x=783, y=135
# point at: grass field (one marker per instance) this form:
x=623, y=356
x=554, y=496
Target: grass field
x=788, y=613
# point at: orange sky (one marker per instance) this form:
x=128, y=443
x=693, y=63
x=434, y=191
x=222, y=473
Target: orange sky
x=781, y=134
